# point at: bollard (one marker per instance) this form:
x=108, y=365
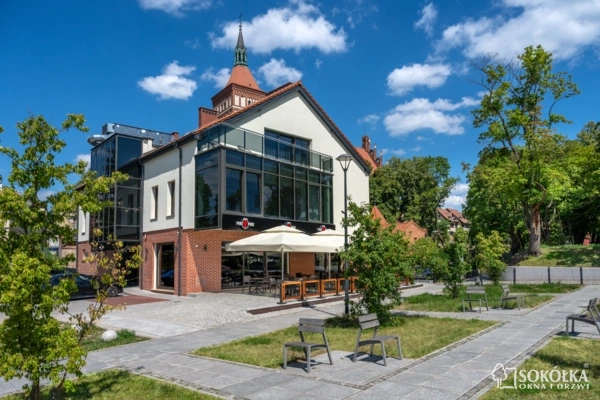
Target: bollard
x=581, y=274
x=549, y=282
x=514, y=275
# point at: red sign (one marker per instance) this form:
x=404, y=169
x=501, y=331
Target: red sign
x=244, y=223
x=322, y=228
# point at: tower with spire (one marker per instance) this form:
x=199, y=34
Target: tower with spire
x=240, y=91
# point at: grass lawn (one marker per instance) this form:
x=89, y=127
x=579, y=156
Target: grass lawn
x=94, y=340
x=442, y=303
x=419, y=336
x=566, y=256
x=567, y=354
x=117, y=385
x=544, y=288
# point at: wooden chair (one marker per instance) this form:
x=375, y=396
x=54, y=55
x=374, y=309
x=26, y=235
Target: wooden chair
x=308, y=325
x=370, y=321
x=475, y=294
x=590, y=316
x=506, y=296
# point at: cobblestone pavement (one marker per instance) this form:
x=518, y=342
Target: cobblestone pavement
x=461, y=370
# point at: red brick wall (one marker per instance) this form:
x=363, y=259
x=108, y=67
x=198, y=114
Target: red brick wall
x=85, y=268
x=150, y=239
x=302, y=262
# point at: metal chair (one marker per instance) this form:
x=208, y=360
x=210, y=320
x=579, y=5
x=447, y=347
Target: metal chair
x=370, y=321
x=308, y=325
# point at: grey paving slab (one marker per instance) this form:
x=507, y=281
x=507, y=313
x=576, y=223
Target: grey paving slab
x=453, y=385
x=412, y=378
x=431, y=394
x=244, y=389
x=213, y=381
x=332, y=391
x=273, y=393
x=300, y=384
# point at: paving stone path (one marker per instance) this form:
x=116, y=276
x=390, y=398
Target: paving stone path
x=460, y=371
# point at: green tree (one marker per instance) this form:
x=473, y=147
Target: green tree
x=518, y=131
x=452, y=273
x=413, y=188
x=379, y=258
x=33, y=344
x=489, y=250
x=426, y=253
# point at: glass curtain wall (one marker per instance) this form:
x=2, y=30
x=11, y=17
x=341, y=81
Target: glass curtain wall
x=207, y=190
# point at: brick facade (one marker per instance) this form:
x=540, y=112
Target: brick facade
x=303, y=263
x=85, y=250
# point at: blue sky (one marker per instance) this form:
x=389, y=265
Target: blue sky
x=398, y=70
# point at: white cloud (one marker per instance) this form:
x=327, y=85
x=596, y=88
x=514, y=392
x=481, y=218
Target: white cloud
x=318, y=63
x=428, y=17
x=396, y=152
x=219, y=78
x=276, y=73
x=416, y=148
x=458, y=196
x=85, y=158
x=193, y=43
x=402, y=80
x=297, y=26
x=171, y=84
x=564, y=28
x=421, y=138
x=421, y=113
x=175, y=7
x=369, y=119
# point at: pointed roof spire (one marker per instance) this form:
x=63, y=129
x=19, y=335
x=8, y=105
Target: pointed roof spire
x=240, y=57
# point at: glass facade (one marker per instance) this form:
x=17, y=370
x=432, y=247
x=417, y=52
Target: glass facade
x=260, y=186
x=121, y=219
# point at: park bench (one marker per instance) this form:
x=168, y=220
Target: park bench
x=507, y=296
x=370, y=321
x=475, y=294
x=590, y=316
x=308, y=325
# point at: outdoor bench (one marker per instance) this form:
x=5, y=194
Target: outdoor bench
x=475, y=294
x=507, y=296
x=308, y=325
x=590, y=316
x=370, y=321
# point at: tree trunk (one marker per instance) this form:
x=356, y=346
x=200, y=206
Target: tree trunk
x=535, y=232
x=35, y=391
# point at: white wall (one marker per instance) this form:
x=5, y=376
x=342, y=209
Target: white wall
x=158, y=172
x=294, y=116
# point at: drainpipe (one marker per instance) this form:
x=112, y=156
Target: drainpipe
x=77, y=243
x=180, y=230
x=141, y=217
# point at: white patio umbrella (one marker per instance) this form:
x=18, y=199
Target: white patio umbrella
x=333, y=239
x=281, y=239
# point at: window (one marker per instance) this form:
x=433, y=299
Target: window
x=271, y=195
x=301, y=201
x=233, y=189
x=154, y=203
x=253, y=202
x=171, y=199
x=314, y=203
x=286, y=187
x=287, y=148
x=207, y=191
x=326, y=205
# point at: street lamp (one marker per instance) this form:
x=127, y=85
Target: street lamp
x=345, y=160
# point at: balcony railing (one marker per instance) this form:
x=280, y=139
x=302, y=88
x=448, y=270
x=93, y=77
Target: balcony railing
x=256, y=143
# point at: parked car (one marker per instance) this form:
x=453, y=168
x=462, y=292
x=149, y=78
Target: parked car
x=85, y=286
x=168, y=278
x=423, y=273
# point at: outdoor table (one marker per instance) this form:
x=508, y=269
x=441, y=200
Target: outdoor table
x=257, y=285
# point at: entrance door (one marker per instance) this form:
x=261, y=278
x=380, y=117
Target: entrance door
x=165, y=266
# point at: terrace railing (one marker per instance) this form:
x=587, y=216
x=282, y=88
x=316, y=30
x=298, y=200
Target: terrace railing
x=302, y=290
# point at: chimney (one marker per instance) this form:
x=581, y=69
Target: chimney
x=174, y=136
x=366, y=143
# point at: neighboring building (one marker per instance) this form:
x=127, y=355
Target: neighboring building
x=454, y=217
x=370, y=155
x=257, y=160
x=411, y=230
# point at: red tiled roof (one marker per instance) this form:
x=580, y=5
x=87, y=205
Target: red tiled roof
x=403, y=226
x=378, y=215
x=365, y=156
x=450, y=213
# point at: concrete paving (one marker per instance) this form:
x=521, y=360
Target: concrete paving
x=461, y=370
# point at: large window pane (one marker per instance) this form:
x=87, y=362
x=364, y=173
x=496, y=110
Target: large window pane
x=207, y=190
x=235, y=137
x=313, y=203
x=129, y=150
x=301, y=201
x=327, y=205
x=271, y=148
x=326, y=179
x=252, y=193
x=234, y=158
x=286, y=170
x=271, y=195
x=286, y=193
x=286, y=152
x=254, y=162
x=301, y=156
x=233, y=190
x=272, y=167
x=207, y=159
x=301, y=173
x=254, y=142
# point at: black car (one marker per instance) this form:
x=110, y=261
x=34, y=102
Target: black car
x=85, y=287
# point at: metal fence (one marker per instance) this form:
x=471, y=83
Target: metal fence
x=575, y=274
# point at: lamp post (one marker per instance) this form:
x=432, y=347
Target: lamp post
x=345, y=160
